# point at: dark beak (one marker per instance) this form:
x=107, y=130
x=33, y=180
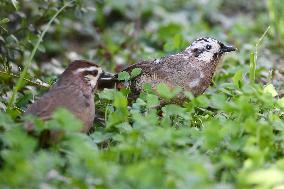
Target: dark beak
x=227, y=48
x=107, y=80
x=106, y=76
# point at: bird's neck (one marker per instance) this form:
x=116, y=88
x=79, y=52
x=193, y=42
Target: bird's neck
x=208, y=69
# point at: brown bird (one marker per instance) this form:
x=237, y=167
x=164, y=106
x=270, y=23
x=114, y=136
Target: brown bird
x=73, y=91
x=191, y=69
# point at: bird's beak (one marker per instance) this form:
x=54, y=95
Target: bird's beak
x=227, y=48
x=106, y=76
x=106, y=80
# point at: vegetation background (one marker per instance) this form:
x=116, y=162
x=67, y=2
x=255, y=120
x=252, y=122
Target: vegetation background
x=230, y=137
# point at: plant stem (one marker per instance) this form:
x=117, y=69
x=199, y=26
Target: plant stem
x=29, y=62
x=4, y=74
x=253, y=56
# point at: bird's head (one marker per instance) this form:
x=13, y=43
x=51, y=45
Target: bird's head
x=208, y=49
x=81, y=70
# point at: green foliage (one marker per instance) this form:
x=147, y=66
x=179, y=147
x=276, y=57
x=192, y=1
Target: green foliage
x=232, y=136
x=165, y=92
x=29, y=61
x=123, y=76
x=275, y=8
x=234, y=143
x=135, y=72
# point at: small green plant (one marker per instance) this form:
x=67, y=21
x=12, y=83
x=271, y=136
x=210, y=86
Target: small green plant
x=276, y=14
x=30, y=58
x=229, y=137
x=253, y=57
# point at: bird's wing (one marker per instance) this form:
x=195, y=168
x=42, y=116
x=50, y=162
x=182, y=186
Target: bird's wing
x=160, y=68
x=50, y=101
x=43, y=106
x=144, y=65
x=174, y=70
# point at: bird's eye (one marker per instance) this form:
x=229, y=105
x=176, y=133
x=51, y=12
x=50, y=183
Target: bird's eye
x=93, y=73
x=208, y=47
x=195, y=50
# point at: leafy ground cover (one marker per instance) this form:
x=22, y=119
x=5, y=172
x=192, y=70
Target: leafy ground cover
x=232, y=136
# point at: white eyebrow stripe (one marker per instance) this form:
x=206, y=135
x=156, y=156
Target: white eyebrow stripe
x=92, y=68
x=92, y=80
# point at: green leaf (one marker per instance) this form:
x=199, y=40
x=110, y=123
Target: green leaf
x=123, y=76
x=107, y=94
x=152, y=100
x=165, y=92
x=147, y=87
x=167, y=31
x=173, y=109
x=237, y=78
x=18, y=139
x=176, y=44
x=281, y=102
x=218, y=100
x=99, y=137
x=135, y=72
x=66, y=120
x=266, y=177
x=15, y=4
x=270, y=90
x=6, y=121
x=4, y=21
x=120, y=100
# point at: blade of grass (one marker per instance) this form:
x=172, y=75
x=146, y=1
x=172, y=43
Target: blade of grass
x=30, y=58
x=253, y=56
x=4, y=74
x=252, y=67
x=15, y=4
x=261, y=38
